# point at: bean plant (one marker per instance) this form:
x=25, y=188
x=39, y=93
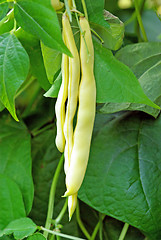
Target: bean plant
x=120, y=197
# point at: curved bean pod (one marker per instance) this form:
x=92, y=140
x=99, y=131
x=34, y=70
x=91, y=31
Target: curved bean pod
x=86, y=113
x=60, y=103
x=74, y=77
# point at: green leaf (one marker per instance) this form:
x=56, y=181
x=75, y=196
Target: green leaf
x=151, y=84
x=113, y=36
x=141, y=52
x=12, y=206
x=52, y=61
x=38, y=18
x=152, y=25
x=126, y=183
x=36, y=236
x=1, y=106
x=145, y=64
x=15, y=157
x=14, y=66
x=3, y=10
x=7, y=26
x=20, y=228
x=115, y=81
x=54, y=90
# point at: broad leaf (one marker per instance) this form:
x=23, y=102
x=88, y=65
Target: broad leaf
x=7, y=26
x=38, y=18
x=1, y=106
x=36, y=236
x=141, y=52
x=3, y=10
x=152, y=25
x=123, y=177
x=113, y=36
x=52, y=61
x=20, y=228
x=145, y=64
x=12, y=206
x=14, y=66
x=115, y=81
x=54, y=90
x=15, y=157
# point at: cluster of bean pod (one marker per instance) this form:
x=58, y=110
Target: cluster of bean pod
x=75, y=143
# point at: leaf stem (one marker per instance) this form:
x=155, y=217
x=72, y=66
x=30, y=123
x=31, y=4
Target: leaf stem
x=124, y=231
x=140, y=20
x=52, y=197
x=80, y=223
x=101, y=227
x=61, y=234
x=41, y=130
x=84, y=9
x=61, y=214
x=97, y=227
x=98, y=36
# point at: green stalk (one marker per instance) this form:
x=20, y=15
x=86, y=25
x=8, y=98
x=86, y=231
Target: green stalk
x=61, y=234
x=61, y=214
x=140, y=20
x=52, y=197
x=124, y=231
x=97, y=227
x=84, y=9
x=80, y=223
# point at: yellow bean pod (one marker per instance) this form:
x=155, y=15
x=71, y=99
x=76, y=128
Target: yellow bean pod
x=57, y=5
x=60, y=103
x=72, y=203
x=74, y=77
x=86, y=113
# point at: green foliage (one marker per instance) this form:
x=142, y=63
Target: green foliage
x=14, y=66
x=123, y=175
x=3, y=10
x=131, y=190
x=145, y=64
x=38, y=18
x=20, y=228
x=11, y=200
x=15, y=157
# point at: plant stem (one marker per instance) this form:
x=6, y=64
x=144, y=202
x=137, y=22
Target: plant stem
x=140, y=20
x=80, y=223
x=101, y=227
x=61, y=214
x=98, y=36
x=52, y=196
x=61, y=234
x=97, y=227
x=84, y=9
x=37, y=132
x=124, y=231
